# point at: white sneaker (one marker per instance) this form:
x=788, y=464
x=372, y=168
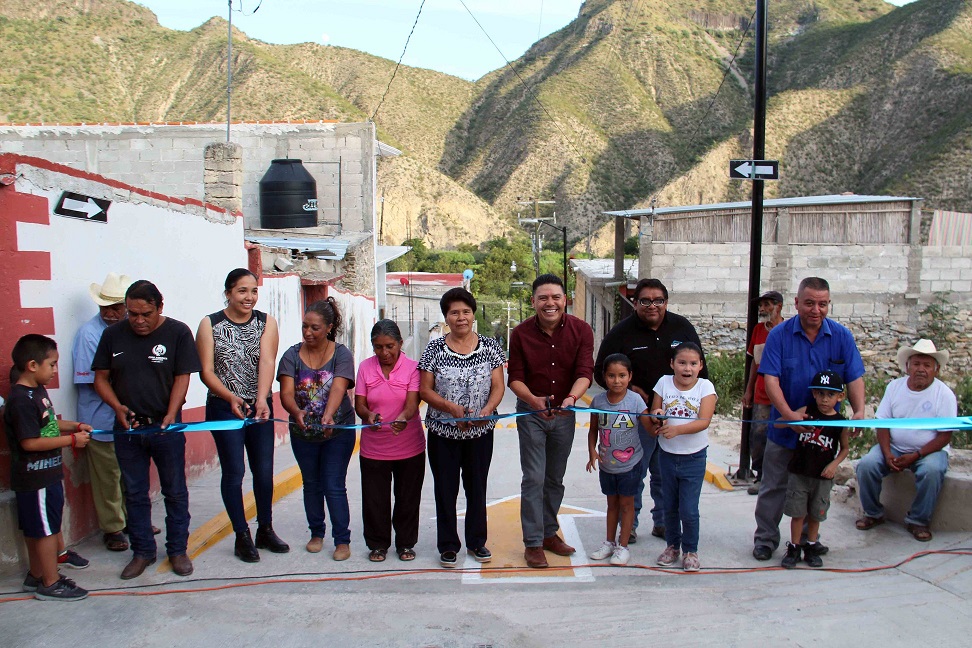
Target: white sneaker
x=620, y=556
x=602, y=552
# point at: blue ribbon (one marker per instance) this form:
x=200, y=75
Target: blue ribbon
x=954, y=423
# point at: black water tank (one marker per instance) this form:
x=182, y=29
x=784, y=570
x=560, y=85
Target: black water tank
x=288, y=196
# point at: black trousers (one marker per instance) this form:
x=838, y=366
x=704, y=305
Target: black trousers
x=376, y=506
x=448, y=458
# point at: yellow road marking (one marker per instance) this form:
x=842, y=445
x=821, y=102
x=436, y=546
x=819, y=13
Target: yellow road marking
x=715, y=476
x=506, y=543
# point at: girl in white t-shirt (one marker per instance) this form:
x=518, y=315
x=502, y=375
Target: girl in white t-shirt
x=682, y=439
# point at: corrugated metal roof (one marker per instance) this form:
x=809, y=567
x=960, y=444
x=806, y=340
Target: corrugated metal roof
x=329, y=248
x=386, y=253
x=386, y=150
x=800, y=201
x=602, y=268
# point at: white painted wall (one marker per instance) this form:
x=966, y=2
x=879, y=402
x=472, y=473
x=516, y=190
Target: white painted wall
x=185, y=254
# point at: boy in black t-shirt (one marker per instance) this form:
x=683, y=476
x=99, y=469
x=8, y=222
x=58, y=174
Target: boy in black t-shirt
x=35, y=438
x=813, y=467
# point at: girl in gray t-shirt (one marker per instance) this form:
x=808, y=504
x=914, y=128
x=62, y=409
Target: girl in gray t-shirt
x=614, y=446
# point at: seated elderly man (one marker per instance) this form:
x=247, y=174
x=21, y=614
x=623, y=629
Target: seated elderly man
x=920, y=394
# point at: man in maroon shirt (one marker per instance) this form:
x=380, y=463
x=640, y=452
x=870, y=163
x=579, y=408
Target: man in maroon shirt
x=551, y=365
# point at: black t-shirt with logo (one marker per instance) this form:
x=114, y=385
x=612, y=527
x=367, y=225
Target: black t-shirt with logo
x=816, y=446
x=143, y=367
x=29, y=414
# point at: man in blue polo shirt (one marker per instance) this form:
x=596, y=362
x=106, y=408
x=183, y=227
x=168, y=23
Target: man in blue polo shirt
x=795, y=351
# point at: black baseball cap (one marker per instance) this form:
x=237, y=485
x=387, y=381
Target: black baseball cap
x=827, y=380
x=772, y=295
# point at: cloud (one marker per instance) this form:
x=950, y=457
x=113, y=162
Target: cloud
x=325, y=38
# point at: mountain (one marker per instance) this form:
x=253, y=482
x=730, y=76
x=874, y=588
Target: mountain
x=634, y=99
x=110, y=61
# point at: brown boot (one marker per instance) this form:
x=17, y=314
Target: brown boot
x=135, y=568
x=555, y=544
x=535, y=558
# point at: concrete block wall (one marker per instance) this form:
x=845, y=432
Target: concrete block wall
x=946, y=269
x=878, y=291
x=169, y=159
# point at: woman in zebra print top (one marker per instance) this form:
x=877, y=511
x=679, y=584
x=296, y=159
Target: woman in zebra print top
x=238, y=350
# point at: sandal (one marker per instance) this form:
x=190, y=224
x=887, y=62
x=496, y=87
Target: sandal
x=377, y=555
x=115, y=541
x=868, y=522
x=406, y=554
x=920, y=532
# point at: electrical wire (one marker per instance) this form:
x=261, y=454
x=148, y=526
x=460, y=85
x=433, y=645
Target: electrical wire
x=721, y=83
x=241, y=11
x=399, y=64
x=540, y=23
x=236, y=582
x=526, y=87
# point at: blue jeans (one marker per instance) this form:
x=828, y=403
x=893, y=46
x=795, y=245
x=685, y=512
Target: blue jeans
x=649, y=466
x=544, y=448
x=324, y=469
x=168, y=451
x=682, y=478
x=929, y=477
x=258, y=441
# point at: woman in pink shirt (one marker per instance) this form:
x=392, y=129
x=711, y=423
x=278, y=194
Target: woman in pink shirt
x=387, y=397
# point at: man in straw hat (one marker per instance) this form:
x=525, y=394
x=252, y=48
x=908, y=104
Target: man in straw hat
x=919, y=394
x=106, y=489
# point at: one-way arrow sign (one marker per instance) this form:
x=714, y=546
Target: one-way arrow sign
x=84, y=207
x=754, y=169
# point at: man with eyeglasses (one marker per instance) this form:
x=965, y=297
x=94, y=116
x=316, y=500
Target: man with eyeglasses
x=795, y=351
x=647, y=337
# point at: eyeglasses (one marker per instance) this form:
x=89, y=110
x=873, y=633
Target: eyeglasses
x=659, y=302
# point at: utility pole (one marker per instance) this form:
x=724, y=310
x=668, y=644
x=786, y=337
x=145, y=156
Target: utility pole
x=538, y=221
x=756, y=226
x=229, y=68
x=509, y=320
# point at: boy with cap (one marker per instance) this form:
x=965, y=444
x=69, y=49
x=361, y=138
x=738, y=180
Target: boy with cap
x=813, y=467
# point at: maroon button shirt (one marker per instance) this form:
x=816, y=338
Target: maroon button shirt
x=549, y=364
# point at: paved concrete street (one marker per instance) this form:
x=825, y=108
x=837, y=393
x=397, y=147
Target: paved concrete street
x=418, y=604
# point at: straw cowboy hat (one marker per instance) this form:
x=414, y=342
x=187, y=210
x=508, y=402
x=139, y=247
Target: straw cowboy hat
x=112, y=291
x=922, y=347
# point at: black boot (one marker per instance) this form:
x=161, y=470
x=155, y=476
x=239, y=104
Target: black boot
x=245, y=549
x=267, y=539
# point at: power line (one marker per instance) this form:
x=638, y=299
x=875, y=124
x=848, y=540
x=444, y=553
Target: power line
x=556, y=123
x=399, y=64
x=724, y=77
x=540, y=25
x=240, y=10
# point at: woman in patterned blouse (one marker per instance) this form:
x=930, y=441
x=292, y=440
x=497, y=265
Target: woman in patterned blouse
x=461, y=378
x=238, y=347
x=315, y=376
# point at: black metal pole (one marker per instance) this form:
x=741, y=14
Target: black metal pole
x=564, y=230
x=756, y=227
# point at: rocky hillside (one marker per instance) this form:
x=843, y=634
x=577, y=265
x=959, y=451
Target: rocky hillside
x=620, y=105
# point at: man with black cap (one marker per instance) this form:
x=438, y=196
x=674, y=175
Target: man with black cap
x=770, y=305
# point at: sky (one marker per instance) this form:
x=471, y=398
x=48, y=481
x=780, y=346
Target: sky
x=446, y=39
